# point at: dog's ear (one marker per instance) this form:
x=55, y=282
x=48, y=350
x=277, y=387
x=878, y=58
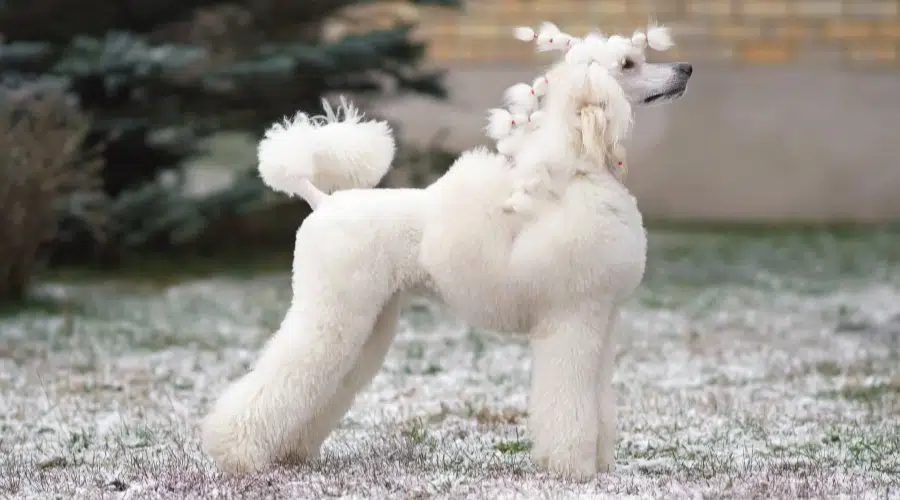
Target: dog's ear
x=605, y=115
x=594, y=131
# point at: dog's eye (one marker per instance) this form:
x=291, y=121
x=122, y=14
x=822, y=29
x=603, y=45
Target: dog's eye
x=628, y=64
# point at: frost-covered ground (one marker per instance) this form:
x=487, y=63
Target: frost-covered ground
x=748, y=367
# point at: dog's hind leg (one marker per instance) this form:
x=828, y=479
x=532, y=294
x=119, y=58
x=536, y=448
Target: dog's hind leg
x=370, y=360
x=262, y=415
x=567, y=389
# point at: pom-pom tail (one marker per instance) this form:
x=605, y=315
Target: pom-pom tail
x=310, y=156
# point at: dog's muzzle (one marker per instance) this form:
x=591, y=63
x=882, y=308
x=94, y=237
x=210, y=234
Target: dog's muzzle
x=683, y=72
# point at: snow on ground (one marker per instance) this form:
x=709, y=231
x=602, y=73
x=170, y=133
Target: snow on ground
x=748, y=367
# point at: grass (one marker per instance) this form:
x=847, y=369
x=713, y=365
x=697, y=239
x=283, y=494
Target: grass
x=750, y=365
x=867, y=394
x=513, y=446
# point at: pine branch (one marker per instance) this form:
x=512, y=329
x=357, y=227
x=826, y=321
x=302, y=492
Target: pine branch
x=57, y=21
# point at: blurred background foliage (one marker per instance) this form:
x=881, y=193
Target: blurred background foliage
x=103, y=106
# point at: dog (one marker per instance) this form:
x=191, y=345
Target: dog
x=541, y=239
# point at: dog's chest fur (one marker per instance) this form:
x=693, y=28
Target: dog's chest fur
x=503, y=271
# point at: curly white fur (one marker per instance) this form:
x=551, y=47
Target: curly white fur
x=308, y=156
x=556, y=269
x=586, y=84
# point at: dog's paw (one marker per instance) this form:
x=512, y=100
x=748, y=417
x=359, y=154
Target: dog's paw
x=233, y=455
x=566, y=455
x=543, y=457
x=303, y=450
x=301, y=455
x=233, y=434
x=566, y=464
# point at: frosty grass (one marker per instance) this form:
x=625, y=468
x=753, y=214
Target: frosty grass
x=749, y=366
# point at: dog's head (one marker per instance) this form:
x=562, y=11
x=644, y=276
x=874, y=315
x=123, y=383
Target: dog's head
x=589, y=93
x=645, y=82
x=625, y=58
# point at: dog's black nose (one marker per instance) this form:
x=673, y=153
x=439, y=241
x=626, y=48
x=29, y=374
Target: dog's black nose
x=686, y=68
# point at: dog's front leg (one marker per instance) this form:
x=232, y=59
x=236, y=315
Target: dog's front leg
x=606, y=444
x=569, y=395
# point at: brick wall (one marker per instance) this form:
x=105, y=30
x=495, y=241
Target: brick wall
x=746, y=32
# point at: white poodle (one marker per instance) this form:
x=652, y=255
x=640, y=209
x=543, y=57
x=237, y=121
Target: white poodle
x=541, y=239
